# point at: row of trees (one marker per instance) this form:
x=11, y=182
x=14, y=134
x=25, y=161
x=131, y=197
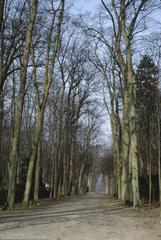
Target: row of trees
x=147, y=129
x=134, y=96
x=51, y=68
x=48, y=103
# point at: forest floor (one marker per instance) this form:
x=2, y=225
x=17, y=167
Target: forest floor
x=89, y=217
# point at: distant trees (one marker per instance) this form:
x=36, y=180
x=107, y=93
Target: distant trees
x=107, y=168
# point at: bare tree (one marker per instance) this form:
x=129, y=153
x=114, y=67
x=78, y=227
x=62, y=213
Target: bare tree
x=19, y=108
x=49, y=71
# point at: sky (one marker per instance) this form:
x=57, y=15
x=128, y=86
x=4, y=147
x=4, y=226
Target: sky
x=91, y=6
x=86, y=5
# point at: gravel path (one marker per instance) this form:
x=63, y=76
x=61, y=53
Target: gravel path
x=90, y=217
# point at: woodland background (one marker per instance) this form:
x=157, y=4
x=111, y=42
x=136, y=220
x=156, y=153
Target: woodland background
x=58, y=72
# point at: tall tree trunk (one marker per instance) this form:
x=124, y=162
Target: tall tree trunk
x=106, y=184
x=158, y=148
x=34, y=155
x=37, y=174
x=125, y=149
x=133, y=154
x=116, y=152
x=80, y=178
x=57, y=159
x=71, y=161
x=1, y=84
x=49, y=70
x=2, y=2
x=53, y=158
x=65, y=175
x=1, y=132
x=18, y=113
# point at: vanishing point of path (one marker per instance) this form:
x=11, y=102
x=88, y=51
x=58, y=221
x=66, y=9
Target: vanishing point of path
x=90, y=217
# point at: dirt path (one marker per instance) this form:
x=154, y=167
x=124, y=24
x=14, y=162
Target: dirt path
x=90, y=217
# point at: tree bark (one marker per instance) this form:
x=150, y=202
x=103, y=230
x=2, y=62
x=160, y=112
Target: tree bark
x=50, y=67
x=18, y=113
x=1, y=80
x=2, y=2
x=37, y=174
x=34, y=157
